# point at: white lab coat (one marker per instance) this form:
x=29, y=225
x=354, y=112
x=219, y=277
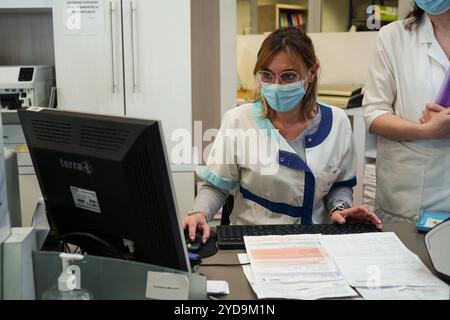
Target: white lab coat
x=294, y=194
x=408, y=70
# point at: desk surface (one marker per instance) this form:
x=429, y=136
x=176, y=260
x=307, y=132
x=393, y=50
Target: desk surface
x=240, y=289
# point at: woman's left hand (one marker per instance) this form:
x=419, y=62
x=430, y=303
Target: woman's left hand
x=359, y=214
x=430, y=111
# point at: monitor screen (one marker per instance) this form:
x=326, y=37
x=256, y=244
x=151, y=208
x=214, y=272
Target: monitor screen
x=106, y=184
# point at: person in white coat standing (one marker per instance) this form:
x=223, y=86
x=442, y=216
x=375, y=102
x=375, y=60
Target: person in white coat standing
x=413, y=158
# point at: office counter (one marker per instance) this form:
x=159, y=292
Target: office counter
x=240, y=289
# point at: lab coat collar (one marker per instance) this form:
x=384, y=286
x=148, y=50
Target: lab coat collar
x=311, y=140
x=324, y=128
x=426, y=35
x=263, y=122
x=425, y=30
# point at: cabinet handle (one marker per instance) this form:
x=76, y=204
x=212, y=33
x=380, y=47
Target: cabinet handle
x=113, y=69
x=132, y=11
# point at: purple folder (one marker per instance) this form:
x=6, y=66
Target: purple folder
x=443, y=97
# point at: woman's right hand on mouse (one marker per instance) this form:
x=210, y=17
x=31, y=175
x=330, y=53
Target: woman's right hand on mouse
x=196, y=221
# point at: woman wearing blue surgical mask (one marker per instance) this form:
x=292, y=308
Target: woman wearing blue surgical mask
x=315, y=162
x=413, y=157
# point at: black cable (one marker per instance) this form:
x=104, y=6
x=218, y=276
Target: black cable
x=223, y=264
x=74, y=235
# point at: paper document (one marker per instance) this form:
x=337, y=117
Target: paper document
x=294, y=267
x=296, y=291
x=405, y=293
x=290, y=258
x=377, y=265
x=381, y=261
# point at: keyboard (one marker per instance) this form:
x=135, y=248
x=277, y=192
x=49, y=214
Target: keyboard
x=232, y=236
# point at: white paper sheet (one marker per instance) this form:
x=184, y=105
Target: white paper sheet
x=379, y=266
x=293, y=267
x=305, y=291
x=405, y=293
x=290, y=258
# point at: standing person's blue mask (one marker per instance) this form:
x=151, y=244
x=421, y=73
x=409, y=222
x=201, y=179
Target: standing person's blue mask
x=433, y=7
x=283, y=97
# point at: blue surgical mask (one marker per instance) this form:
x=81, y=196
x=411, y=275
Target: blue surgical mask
x=283, y=97
x=433, y=7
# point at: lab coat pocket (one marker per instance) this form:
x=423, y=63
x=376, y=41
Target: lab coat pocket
x=325, y=181
x=399, y=188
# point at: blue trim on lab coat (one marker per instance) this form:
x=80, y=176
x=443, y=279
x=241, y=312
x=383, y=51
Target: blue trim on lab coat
x=277, y=207
x=346, y=183
x=324, y=128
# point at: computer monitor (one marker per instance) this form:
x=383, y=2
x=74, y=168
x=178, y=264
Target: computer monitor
x=106, y=184
x=13, y=188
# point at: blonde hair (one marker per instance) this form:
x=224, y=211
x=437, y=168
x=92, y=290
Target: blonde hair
x=299, y=48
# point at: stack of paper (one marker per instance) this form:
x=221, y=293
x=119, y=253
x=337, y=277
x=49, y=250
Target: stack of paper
x=293, y=267
x=379, y=266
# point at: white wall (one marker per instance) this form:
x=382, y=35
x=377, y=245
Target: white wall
x=247, y=49
x=228, y=72
x=404, y=7
x=344, y=57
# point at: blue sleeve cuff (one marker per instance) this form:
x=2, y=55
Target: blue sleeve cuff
x=217, y=181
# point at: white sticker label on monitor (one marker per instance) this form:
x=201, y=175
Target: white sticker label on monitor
x=167, y=286
x=85, y=199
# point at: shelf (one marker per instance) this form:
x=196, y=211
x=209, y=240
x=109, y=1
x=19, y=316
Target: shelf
x=281, y=6
x=286, y=15
x=273, y=16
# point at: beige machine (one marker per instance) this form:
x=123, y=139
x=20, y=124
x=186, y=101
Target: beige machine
x=341, y=95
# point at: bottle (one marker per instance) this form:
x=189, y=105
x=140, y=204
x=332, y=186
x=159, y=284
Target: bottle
x=69, y=282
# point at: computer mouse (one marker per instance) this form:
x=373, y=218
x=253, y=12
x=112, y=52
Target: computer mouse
x=204, y=250
x=193, y=245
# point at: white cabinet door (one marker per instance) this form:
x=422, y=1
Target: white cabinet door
x=88, y=58
x=157, y=57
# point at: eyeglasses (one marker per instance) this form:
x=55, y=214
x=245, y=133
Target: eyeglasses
x=286, y=77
